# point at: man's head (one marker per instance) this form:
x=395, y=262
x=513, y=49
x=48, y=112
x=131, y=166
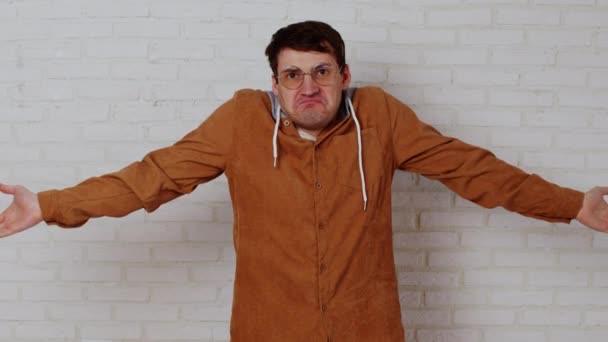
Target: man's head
x=309, y=72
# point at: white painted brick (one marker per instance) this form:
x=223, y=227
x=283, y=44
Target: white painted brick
x=358, y=33
x=583, y=59
x=331, y=13
x=211, y=71
x=581, y=297
x=185, y=9
x=426, y=239
x=209, y=232
x=528, y=17
x=73, y=154
x=520, y=139
x=52, y=49
x=599, y=78
x=565, y=2
x=6, y=332
x=113, y=132
x=380, y=15
x=46, y=330
x=71, y=29
x=456, y=56
x=581, y=141
x=423, y=36
x=558, y=279
x=577, y=335
x=602, y=39
x=151, y=232
x=8, y=73
x=410, y=299
x=453, y=96
x=523, y=56
x=551, y=118
x=586, y=18
x=136, y=112
x=214, y=272
x=37, y=254
x=216, y=31
x=145, y=312
x=493, y=278
x=485, y=77
x=157, y=274
x=117, y=294
x=459, y=259
x=16, y=272
x=399, y=75
x=196, y=252
x=520, y=98
x=178, y=331
x=427, y=318
x=491, y=37
x=470, y=17
x=551, y=317
x=18, y=154
x=451, y=335
x=176, y=49
x=209, y=312
x=388, y=55
x=509, y=336
x=454, y=298
x=139, y=71
x=115, y=8
x=253, y=11
x=484, y=317
x=183, y=294
x=56, y=9
x=116, y=48
x=19, y=311
x=451, y=219
x=410, y=259
x=582, y=260
x=429, y=279
x=127, y=253
x=498, y=239
x=17, y=30
x=520, y=298
x=9, y=52
x=579, y=98
x=560, y=38
x=113, y=330
x=52, y=293
x=187, y=90
x=500, y=218
x=9, y=292
x=147, y=28
x=76, y=70
x=92, y=272
x=598, y=161
x=572, y=78
x=526, y=259
x=8, y=10
x=553, y=160
x=489, y=118
x=595, y=318
x=570, y=241
x=48, y=90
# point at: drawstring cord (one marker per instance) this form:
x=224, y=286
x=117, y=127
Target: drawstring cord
x=275, y=147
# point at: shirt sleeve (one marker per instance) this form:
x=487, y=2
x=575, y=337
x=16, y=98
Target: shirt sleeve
x=159, y=177
x=475, y=173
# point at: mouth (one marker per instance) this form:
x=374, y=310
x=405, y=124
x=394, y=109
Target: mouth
x=307, y=102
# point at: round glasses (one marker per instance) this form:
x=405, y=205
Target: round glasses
x=323, y=75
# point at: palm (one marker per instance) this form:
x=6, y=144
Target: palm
x=594, y=212
x=22, y=213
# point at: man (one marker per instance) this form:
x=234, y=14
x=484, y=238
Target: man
x=309, y=166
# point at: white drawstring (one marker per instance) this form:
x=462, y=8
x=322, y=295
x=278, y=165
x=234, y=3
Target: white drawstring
x=360, y=151
x=275, y=147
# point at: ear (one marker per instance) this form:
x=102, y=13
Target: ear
x=275, y=86
x=345, y=77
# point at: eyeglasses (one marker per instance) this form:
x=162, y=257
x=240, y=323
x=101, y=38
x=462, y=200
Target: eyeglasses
x=323, y=75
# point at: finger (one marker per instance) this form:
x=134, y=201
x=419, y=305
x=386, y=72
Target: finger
x=603, y=189
x=8, y=189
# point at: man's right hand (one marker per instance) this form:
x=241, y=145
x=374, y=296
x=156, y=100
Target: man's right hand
x=23, y=213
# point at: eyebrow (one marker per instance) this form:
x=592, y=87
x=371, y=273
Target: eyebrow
x=293, y=67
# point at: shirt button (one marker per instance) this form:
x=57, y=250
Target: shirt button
x=322, y=267
x=318, y=185
x=321, y=226
x=323, y=308
x=286, y=123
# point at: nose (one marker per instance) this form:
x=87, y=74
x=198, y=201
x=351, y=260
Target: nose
x=309, y=86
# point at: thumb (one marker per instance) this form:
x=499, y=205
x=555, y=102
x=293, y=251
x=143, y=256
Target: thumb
x=8, y=189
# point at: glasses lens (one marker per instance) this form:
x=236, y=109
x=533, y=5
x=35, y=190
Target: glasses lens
x=323, y=75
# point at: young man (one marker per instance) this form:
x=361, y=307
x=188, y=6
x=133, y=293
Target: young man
x=310, y=167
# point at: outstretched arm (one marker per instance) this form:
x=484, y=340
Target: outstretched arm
x=594, y=213
x=23, y=213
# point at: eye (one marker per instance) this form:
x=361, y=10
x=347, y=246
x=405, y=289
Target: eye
x=323, y=71
x=291, y=75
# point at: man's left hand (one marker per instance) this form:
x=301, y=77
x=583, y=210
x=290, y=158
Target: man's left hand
x=594, y=213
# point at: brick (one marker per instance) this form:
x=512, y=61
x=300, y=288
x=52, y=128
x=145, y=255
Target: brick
x=211, y=71
x=253, y=11
x=453, y=96
x=523, y=56
x=520, y=298
x=451, y=335
x=8, y=10
x=409, y=259
x=209, y=232
x=214, y=272
x=119, y=253
x=472, y=17
x=118, y=293
x=454, y=298
x=183, y=294
x=21, y=312
x=526, y=259
x=570, y=241
x=429, y=279
x=176, y=49
x=379, y=15
x=491, y=37
x=115, y=8
x=573, y=78
x=15, y=272
x=157, y=274
x=387, y=56
x=428, y=318
x=145, y=312
x=116, y=48
x=558, y=279
x=76, y=70
x=520, y=98
x=18, y=154
x=142, y=71
x=471, y=56
x=47, y=90
x=599, y=78
x=331, y=13
x=551, y=317
x=508, y=336
x=69, y=29
x=19, y=74
x=586, y=18
x=426, y=239
x=194, y=252
x=46, y=330
x=520, y=139
x=560, y=38
x=182, y=90
x=185, y=9
x=147, y=28
x=18, y=31
x=56, y=9
x=459, y=259
x=485, y=77
x=583, y=296
x=423, y=37
x=52, y=49
x=179, y=331
x=216, y=31
x=39, y=254
x=493, y=278
x=209, y=312
x=489, y=118
x=451, y=219
x=113, y=330
x=581, y=141
x=484, y=317
x=528, y=17
x=9, y=292
x=479, y=239
x=583, y=59
x=551, y=118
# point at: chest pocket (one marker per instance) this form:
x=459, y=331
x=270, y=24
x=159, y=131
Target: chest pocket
x=348, y=162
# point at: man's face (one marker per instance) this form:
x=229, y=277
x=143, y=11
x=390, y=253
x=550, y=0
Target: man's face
x=311, y=106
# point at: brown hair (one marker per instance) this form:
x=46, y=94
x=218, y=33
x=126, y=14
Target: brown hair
x=306, y=36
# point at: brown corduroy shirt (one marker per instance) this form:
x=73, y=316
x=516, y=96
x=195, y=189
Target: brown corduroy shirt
x=311, y=264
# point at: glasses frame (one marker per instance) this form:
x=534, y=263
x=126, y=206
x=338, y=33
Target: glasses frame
x=310, y=73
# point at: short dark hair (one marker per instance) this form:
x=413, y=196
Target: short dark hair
x=306, y=36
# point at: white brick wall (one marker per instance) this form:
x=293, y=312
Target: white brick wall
x=87, y=86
